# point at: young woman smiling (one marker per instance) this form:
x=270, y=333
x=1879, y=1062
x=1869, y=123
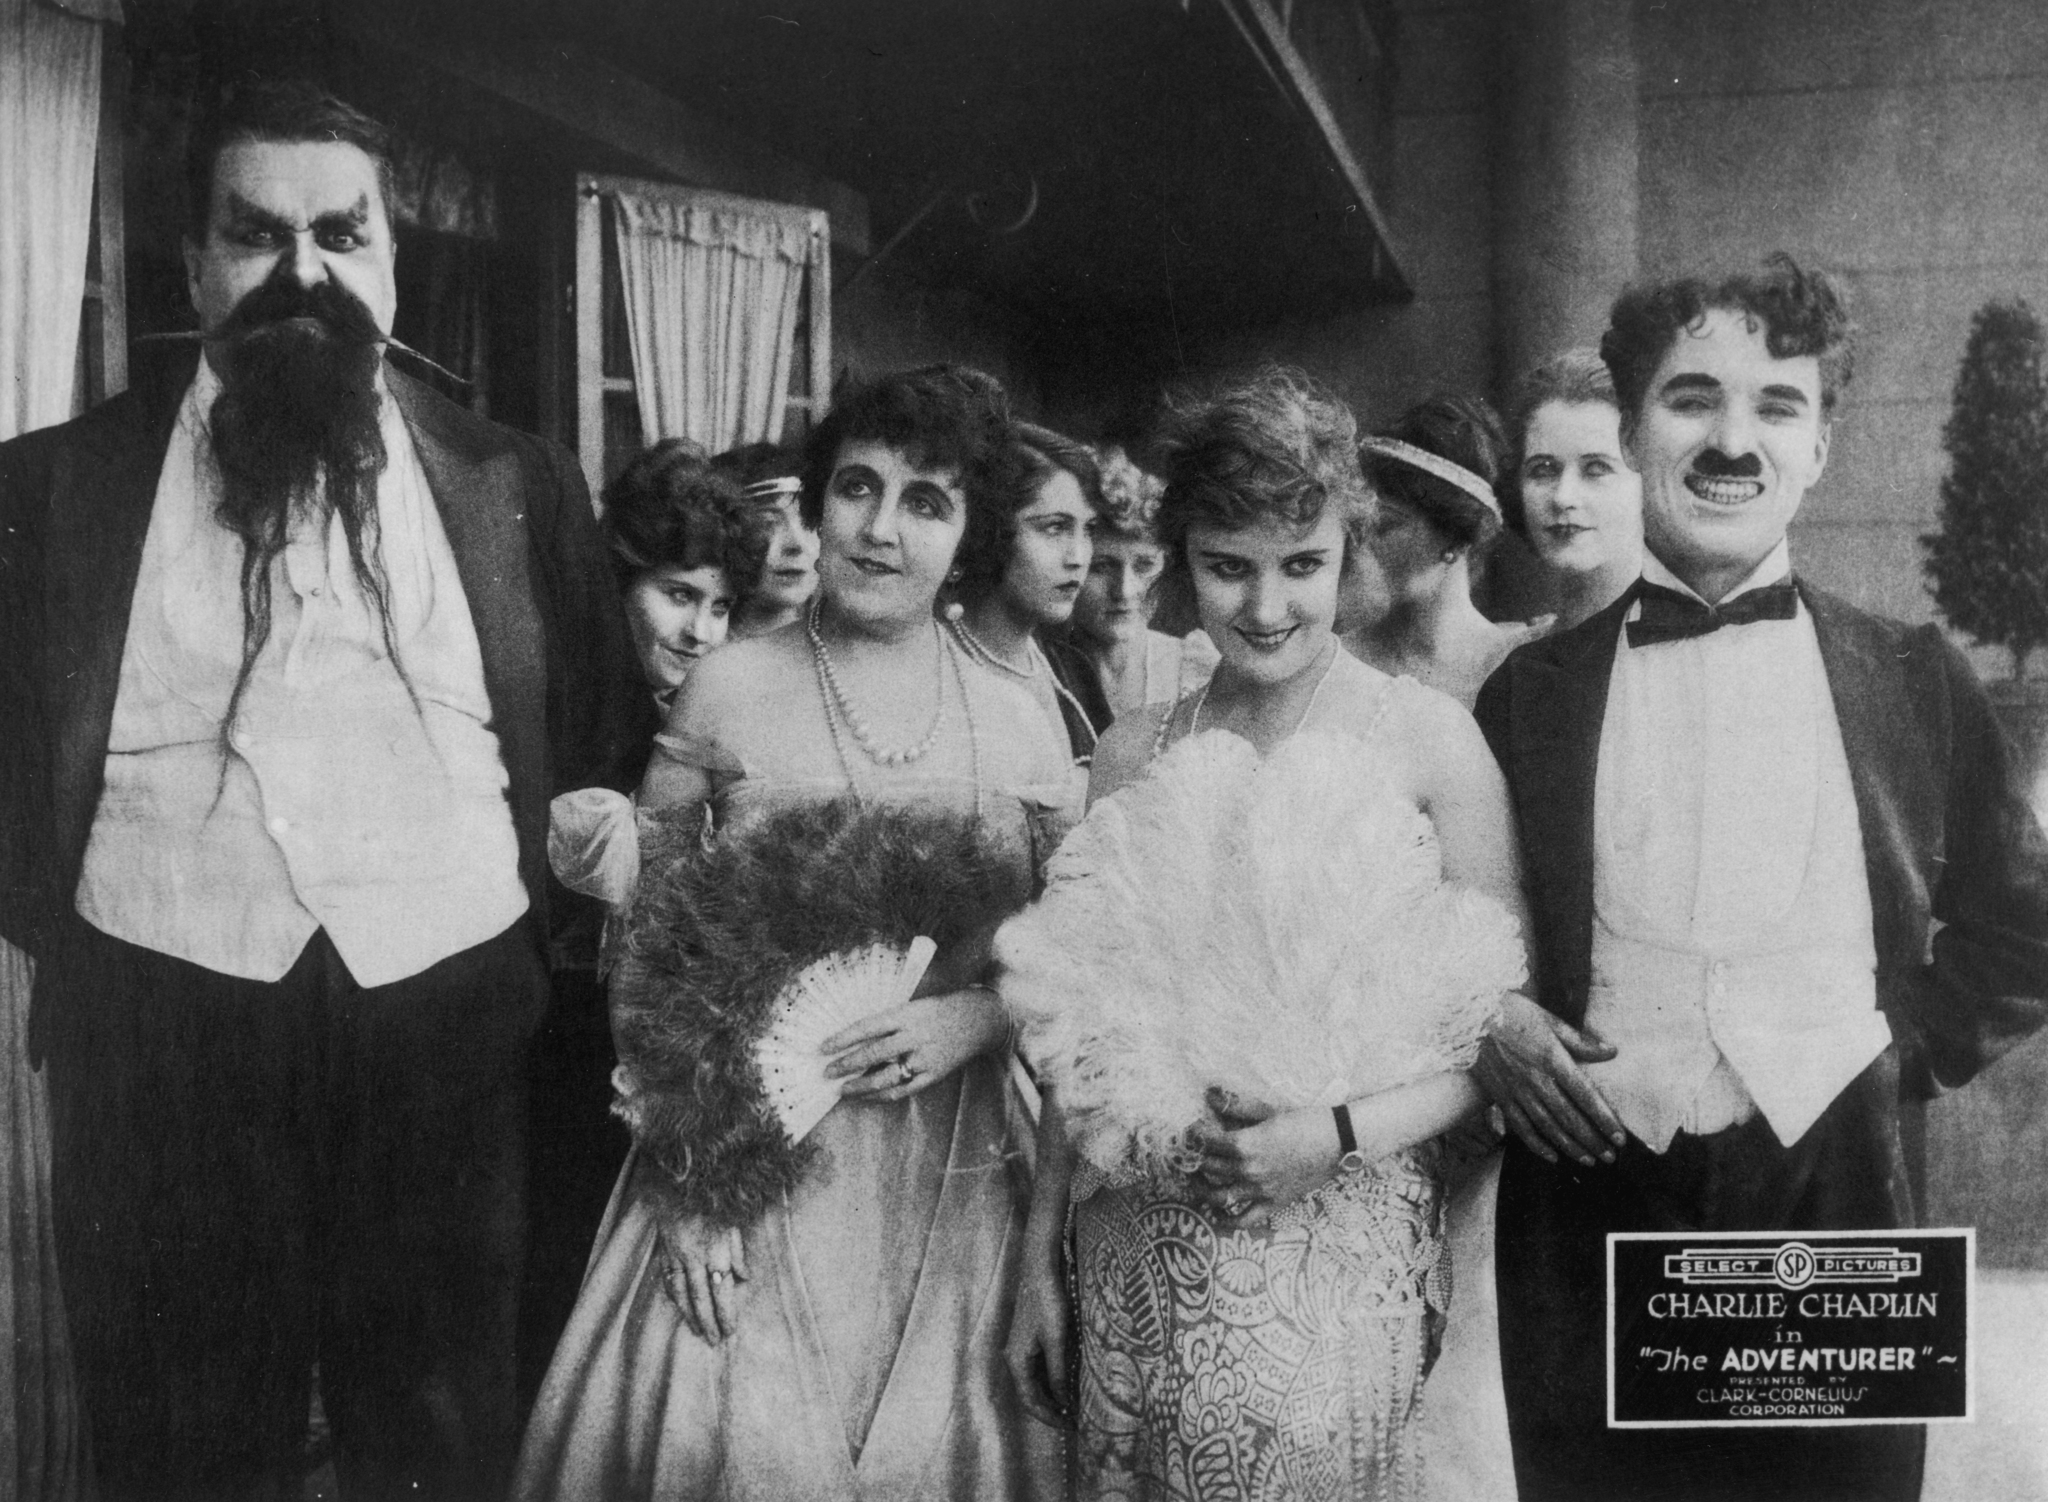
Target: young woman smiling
x=1256, y=1319
x=684, y=552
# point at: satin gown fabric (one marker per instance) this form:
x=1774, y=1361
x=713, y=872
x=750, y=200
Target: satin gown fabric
x=867, y=1365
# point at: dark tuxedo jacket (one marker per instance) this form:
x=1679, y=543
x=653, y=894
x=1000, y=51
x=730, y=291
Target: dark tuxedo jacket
x=75, y=503
x=1957, y=865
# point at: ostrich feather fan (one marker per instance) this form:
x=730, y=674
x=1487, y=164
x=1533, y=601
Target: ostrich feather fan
x=1276, y=927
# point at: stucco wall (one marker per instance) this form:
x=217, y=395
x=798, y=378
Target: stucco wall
x=1900, y=141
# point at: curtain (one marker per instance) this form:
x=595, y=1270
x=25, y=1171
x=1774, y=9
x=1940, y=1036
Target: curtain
x=49, y=133
x=712, y=293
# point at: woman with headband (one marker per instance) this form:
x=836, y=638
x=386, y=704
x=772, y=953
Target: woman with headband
x=771, y=477
x=1435, y=474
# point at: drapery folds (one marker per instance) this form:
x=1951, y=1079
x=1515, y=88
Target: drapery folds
x=49, y=140
x=713, y=289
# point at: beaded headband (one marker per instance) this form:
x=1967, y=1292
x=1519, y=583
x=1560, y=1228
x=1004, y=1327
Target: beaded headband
x=1444, y=469
x=776, y=485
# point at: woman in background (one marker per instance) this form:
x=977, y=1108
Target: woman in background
x=686, y=554
x=1574, y=497
x=1435, y=473
x=682, y=547
x=771, y=478
x=1004, y=600
x=749, y=1328
x=1109, y=654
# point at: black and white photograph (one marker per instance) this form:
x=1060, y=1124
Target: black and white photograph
x=1024, y=750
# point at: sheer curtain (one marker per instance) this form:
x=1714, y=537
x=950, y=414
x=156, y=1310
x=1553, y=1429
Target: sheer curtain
x=712, y=292
x=49, y=134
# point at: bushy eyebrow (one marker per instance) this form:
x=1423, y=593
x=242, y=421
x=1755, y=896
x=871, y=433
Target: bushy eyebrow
x=244, y=214
x=1786, y=394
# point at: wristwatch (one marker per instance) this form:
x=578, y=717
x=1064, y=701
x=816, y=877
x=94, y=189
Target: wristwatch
x=1352, y=1160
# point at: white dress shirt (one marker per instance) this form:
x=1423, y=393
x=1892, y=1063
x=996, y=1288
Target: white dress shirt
x=350, y=802
x=1734, y=967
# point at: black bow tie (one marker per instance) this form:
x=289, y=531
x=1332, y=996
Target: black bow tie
x=1668, y=615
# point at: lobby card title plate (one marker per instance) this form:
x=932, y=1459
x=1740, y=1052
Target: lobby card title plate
x=1740, y=1329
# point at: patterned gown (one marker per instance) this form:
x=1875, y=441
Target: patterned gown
x=1268, y=1363
x=1273, y=1362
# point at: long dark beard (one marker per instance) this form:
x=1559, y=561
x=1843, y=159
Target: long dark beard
x=298, y=407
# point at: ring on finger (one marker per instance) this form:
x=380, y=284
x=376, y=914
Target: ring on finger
x=720, y=1274
x=905, y=1070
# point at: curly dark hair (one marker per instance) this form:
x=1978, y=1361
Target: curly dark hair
x=753, y=462
x=1803, y=312
x=942, y=418
x=1272, y=443
x=670, y=509
x=275, y=109
x=1577, y=378
x=1466, y=431
x=1041, y=453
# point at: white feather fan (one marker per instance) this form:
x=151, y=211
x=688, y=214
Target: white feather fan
x=823, y=998
x=1279, y=928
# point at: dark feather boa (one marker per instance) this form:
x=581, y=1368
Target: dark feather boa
x=718, y=931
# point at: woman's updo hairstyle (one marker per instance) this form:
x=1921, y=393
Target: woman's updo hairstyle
x=1130, y=498
x=1578, y=377
x=948, y=418
x=670, y=509
x=1273, y=444
x=1464, y=430
x=1041, y=453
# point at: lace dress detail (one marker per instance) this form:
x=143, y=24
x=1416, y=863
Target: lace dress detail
x=1257, y=1363
x=1299, y=948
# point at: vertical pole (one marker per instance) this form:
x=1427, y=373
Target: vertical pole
x=590, y=334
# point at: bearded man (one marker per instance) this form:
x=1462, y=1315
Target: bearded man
x=297, y=653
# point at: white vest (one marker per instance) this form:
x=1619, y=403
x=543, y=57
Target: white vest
x=1734, y=966
x=345, y=805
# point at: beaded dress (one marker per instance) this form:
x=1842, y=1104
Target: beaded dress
x=1264, y=1362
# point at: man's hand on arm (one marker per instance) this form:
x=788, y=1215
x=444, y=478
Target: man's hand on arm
x=1529, y=1066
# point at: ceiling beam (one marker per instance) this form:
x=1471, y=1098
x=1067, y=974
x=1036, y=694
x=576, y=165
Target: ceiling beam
x=1267, y=35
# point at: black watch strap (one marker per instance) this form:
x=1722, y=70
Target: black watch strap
x=1350, y=1159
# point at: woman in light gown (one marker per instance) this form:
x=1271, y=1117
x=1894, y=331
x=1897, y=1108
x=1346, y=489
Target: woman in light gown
x=1260, y=1329
x=682, y=546
x=1435, y=472
x=845, y=1341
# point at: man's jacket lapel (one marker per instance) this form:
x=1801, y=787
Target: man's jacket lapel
x=1549, y=747
x=480, y=491
x=102, y=490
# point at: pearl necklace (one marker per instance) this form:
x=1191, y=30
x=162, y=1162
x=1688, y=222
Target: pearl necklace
x=836, y=698
x=838, y=709
x=981, y=653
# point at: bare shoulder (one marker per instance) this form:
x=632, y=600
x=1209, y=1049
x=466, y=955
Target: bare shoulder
x=1125, y=751
x=1436, y=740
x=743, y=676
